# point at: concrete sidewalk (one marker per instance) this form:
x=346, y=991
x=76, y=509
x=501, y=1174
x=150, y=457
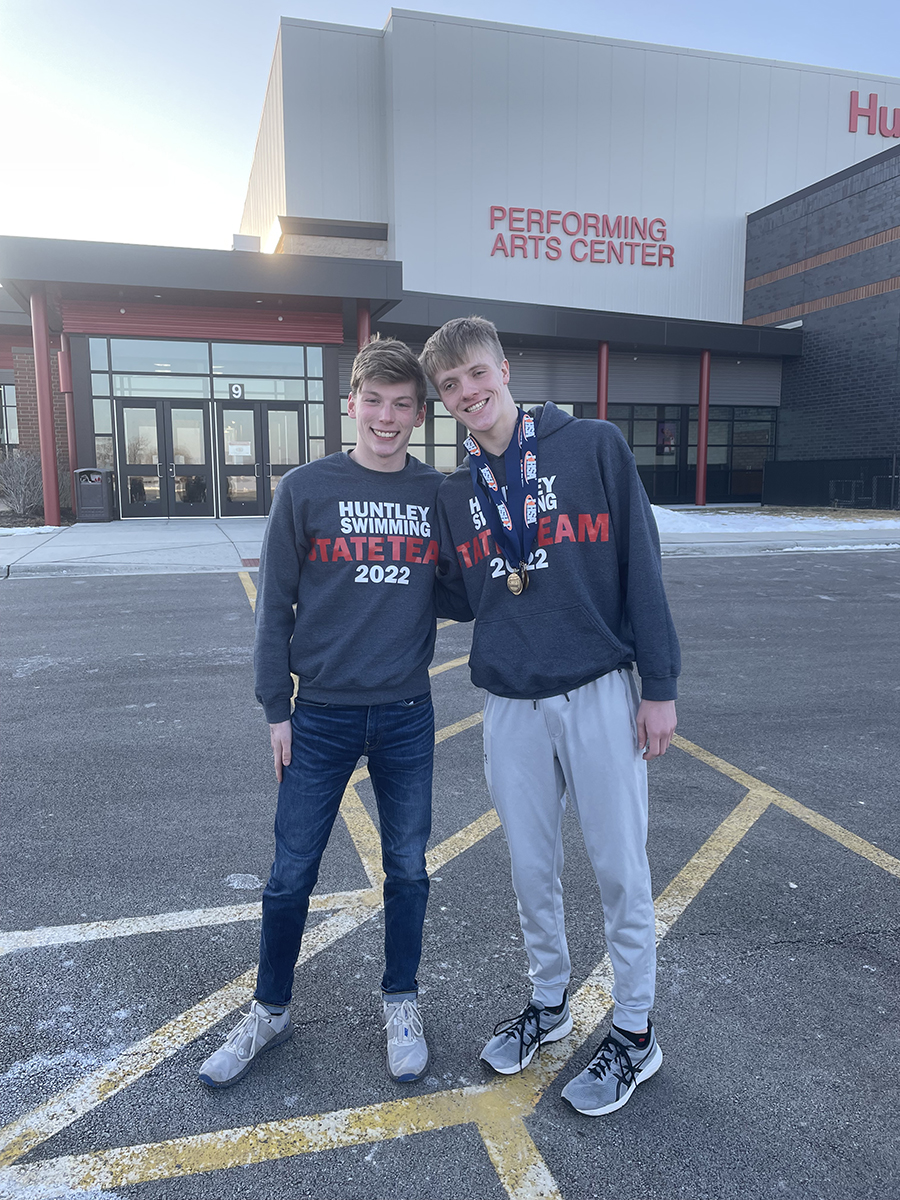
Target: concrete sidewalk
x=189, y=545
x=136, y=547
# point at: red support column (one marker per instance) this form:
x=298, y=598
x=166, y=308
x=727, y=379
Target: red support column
x=702, y=428
x=602, y=380
x=40, y=335
x=363, y=323
x=65, y=386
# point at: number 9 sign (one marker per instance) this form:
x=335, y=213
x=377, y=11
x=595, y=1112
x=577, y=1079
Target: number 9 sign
x=236, y=391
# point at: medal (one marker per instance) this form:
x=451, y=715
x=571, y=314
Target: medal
x=517, y=581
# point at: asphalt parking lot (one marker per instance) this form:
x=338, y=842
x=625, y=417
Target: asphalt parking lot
x=139, y=799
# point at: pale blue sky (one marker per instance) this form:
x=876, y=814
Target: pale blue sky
x=126, y=120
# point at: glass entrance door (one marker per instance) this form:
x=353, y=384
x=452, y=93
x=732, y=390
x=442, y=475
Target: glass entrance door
x=164, y=459
x=258, y=442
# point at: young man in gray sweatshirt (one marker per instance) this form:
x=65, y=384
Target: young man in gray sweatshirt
x=346, y=604
x=548, y=531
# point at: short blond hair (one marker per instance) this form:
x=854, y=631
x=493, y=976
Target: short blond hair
x=453, y=343
x=390, y=361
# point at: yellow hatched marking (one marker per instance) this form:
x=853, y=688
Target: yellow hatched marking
x=450, y=731
x=362, y=830
x=249, y=588
x=496, y=1109
x=444, y=624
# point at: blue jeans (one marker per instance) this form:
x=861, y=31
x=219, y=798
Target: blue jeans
x=328, y=742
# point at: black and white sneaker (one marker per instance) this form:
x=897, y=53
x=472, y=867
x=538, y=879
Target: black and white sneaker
x=516, y=1042
x=613, y=1073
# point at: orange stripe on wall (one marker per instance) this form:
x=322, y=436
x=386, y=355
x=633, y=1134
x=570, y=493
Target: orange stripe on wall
x=801, y=310
x=829, y=256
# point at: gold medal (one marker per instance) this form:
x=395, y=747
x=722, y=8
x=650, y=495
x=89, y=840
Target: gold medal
x=517, y=581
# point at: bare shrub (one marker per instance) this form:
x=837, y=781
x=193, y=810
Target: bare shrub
x=21, y=484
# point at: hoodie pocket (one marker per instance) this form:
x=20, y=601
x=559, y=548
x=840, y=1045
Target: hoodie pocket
x=540, y=653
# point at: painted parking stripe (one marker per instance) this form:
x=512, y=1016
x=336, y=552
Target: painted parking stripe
x=494, y=1108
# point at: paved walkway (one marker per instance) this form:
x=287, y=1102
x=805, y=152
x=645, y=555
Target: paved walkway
x=149, y=547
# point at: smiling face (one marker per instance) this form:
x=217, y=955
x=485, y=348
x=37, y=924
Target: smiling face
x=385, y=415
x=477, y=394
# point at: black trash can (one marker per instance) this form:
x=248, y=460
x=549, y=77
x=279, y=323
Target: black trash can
x=95, y=494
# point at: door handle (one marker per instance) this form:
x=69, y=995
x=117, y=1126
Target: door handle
x=171, y=470
x=256, y=470
x=159, y=473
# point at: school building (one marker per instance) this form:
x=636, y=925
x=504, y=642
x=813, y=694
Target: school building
x=702, y=248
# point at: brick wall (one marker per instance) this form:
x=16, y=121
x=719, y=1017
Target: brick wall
x=26, y=403
x=840, y=400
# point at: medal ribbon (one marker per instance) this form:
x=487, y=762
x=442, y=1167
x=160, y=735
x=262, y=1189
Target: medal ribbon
x=513, y=522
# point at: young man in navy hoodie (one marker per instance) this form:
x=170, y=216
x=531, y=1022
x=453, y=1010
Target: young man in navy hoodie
x=557, y=551
x=346, y=605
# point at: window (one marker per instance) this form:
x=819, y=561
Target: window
x=9, y=417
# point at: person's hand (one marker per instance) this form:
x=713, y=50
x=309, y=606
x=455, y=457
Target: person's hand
x=280, y=737
x=655, y=725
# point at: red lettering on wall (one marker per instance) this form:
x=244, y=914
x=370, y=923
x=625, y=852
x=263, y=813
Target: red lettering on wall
x=871, y=113
x=590, y=529
x=566, y=229
x=578, y=242
x=659, y=235
x=639, y=228
x=648, y=255
x=632, y=246
x=591, y=224
x=613, y=253
x=518, y=241
x=612, y=231
x=516, y=215
x=499, y=244
x=498, y=213
x=667, y=254
x=554, y=248
x=551, y=213
x=535, y=216
x=535, y=239
x=598, y=250
x=894, y=131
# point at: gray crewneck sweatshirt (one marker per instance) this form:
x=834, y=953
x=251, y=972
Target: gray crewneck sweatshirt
x=595, y=599
x=355, y=550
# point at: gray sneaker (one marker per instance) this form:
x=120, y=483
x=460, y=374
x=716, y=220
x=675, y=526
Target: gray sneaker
x=516, y=1042
x=407, y=1050
x=258, y=1030
x=613, y=1073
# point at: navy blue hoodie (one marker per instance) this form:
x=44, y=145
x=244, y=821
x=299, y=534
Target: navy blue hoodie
x=595, y=599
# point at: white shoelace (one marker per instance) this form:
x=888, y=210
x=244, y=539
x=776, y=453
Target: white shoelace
x=406, y=1021
x=248, y=1024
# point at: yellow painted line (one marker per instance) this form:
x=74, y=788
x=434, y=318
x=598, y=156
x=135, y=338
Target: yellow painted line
x=850, y=840
x=461, y=841
x=448, y=666
x=36, y=1127
x=444, y=624
x=249, y=588
x=517, y=1160
x=450, y=731
x=366, y=837
x=29, y=1131
x=494, y=1109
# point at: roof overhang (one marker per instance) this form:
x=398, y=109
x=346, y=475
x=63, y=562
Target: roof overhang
x=74, y=270
x=536, y=325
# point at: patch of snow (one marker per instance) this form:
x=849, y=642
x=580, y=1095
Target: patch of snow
x=12, y=530
x=756, y=521
x=244, y=882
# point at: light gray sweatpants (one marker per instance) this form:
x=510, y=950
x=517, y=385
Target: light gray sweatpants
x=534, y=752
